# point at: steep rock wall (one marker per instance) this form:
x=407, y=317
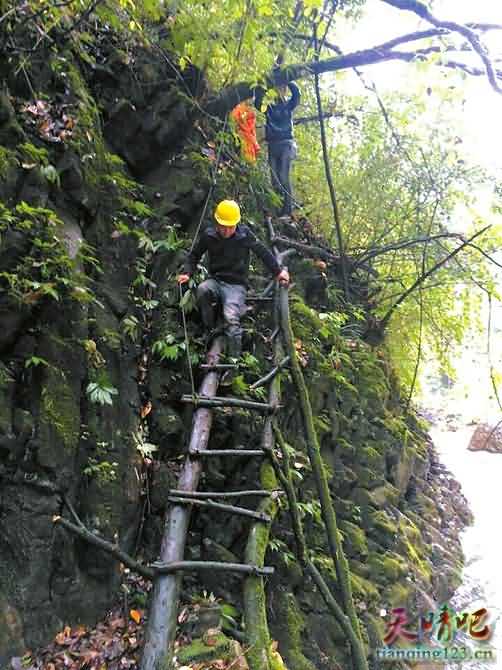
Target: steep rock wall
x=111, y=155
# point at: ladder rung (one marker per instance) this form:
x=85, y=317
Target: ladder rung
x=218, y=401
x=231, y=509
x=176, y=566
x=221, y=494
x=228, y=452
x=218, y=366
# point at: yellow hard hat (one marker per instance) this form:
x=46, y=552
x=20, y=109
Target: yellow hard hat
x=227, y=213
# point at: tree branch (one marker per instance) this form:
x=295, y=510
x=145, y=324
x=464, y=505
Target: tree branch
x=230, y=96
x=420, y=280
x=113, y=549
x=421, y=10
x=402, y=244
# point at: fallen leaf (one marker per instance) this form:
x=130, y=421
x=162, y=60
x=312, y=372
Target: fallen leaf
x=146, y=409
x=135, y=615
x=62, y=637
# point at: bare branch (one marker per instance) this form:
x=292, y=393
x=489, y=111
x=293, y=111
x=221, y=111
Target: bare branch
x=402, y=244
x=421, y=10
x=427, y=274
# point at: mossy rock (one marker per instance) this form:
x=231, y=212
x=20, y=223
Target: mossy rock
x=59, y=422
x=363, y=589
x=347, y=510
x=372, y=458
x=6, y=398
x=11, y=632
x=385, y=495
x=404, y=469
x=368, y=478
x=382, y=529
x=195, y=652
x=386, y=568
x=287, y=627
x=400, y=594
x=354, y=540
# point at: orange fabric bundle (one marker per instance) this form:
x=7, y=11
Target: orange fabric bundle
x=245, y=121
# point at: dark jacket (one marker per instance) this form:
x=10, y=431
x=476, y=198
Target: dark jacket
x=229, y=257
x=279, y=116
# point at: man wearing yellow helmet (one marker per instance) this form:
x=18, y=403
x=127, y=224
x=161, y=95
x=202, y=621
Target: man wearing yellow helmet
x=227, y=246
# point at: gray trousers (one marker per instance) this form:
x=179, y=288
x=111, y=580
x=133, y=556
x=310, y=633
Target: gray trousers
x=280, y=155
x=232, y=297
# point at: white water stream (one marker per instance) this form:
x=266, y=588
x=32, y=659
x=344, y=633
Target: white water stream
x=480, y=474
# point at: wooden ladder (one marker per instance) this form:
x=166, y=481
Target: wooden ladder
x=163, y=608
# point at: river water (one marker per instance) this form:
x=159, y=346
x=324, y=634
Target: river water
x=456, y=409
x=480, y=474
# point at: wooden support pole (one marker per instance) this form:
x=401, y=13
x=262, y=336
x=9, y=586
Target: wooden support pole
x=231, y=509
x=255, y=600
x=321, y=481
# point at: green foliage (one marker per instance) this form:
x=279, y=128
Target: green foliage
x=35, y=361
x=100, y=391
x=167, y=349
x=7, y=159
x=131, y=327
x=31, y=155
x=400, y=178
x=104, y=471
x=45, y=270
x=146, y=449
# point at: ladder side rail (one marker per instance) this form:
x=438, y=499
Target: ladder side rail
x=163, y=610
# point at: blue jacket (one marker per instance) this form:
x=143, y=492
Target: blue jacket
x=279, y=116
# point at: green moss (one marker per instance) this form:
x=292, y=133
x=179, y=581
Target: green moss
x=7, y=160
x=363, y=589
x=289, y=625
x=382, y=529
x=385, y=495
x=60, y=409
x=254, y=591
x=354, y=539
x=386, y=568
x=370, y=457
x=399, y=594
x=411, y=541
x=32, y=154
x=267, y=477
x=198, y=651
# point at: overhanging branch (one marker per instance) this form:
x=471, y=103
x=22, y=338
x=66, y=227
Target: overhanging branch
x=470, y=35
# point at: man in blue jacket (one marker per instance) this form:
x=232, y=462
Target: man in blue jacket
x=281, y=145
x=228, y=246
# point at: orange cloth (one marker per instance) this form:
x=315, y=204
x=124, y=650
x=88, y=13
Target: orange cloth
x=245, y=120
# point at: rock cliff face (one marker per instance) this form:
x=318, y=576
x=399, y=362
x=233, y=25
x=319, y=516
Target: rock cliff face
x=104, y=169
